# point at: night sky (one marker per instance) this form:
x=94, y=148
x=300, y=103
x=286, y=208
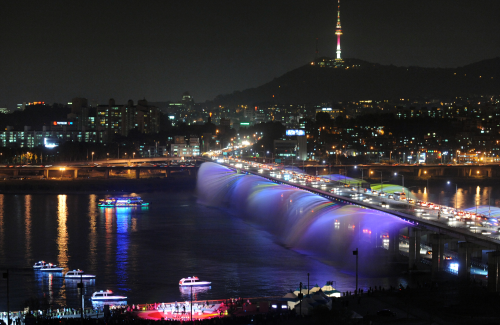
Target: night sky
x=53, y=51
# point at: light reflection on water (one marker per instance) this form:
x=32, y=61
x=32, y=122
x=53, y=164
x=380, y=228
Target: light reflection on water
x=196, y=291
x=123, y=216
x=142, y=253
x=462, y=197
x=62, y=231
x=92, y=212
x=62, y=245
x=27, y=221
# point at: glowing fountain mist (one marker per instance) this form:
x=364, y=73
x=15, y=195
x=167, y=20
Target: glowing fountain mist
x=300, y=220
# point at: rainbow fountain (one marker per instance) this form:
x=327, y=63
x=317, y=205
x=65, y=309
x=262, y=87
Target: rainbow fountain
x=303, y=221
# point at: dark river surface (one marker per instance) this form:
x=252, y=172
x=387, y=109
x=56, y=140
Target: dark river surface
x=142, y=253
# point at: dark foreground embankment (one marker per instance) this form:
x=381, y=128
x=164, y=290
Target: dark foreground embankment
x=97, y=185
x=443, y=303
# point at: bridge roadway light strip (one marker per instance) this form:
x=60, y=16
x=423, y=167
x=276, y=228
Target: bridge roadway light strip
x=324, y=194
x=460, y=234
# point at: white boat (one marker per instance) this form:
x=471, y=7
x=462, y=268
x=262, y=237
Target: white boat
x=193, y=281
x=39, y=264
x=49, y=267
x=78, y=274
x=106, y=295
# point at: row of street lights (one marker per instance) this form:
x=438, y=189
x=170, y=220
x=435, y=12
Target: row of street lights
x=402, y=182
x=107, y=154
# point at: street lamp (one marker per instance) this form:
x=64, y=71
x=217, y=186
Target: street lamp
x=381, y=183
x=133, y=155
x=476, y=199
x=355, y=167
x=404, y=192
x=489, y=203
x=456, y=193
x=403, y=180
x=92, y=157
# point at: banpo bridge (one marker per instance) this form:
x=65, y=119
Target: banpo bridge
x=311, y=219
x=331, y=225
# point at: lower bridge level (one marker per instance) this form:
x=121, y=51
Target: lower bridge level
x=74, y=172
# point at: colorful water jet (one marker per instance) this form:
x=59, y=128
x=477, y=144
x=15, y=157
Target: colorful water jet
x=343, y=179
x=485, y=210
x=303, y=221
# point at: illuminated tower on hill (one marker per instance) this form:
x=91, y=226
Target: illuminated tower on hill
x=338, y=32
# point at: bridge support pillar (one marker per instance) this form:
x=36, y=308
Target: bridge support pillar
x=106, y=174
x=167, y=172
x=453, y=245
x=437, y=254
x=75, y=173
x=464, y=260
x=393, y=243
x=137, y=173
x=494, y=271
x=16, y=172
x=414, y=247
x=46, y=173
x=377, y=241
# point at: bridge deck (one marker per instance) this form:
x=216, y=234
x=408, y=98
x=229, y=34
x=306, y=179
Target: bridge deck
x=459, y=233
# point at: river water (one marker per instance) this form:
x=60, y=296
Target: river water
x=465, y=197
x=143, y=252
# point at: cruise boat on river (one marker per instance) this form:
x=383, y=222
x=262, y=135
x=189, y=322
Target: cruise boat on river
x=193, y=281
x=130, y=201
x=49, y=267
x=78, y=274
x=105, y=296
x=39, y=264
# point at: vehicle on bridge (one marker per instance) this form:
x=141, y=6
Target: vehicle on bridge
x=398, y=196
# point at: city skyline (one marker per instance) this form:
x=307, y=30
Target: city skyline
x=157, y=50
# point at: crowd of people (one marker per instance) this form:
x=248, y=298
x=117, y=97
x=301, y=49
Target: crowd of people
x=122, y=316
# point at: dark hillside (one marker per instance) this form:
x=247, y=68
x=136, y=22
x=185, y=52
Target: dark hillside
x=364, y=80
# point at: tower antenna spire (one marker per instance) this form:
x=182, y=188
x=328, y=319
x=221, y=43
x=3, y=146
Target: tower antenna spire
x=338, y=32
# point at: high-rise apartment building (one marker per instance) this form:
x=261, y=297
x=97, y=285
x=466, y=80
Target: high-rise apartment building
x=121, y=119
